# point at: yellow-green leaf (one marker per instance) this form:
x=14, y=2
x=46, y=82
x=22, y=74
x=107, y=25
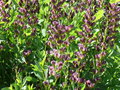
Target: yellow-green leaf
x=114, y=1
x=98, y=15
x=2, y=23
x=43, y=61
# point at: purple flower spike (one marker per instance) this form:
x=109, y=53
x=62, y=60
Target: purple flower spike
x=51, y=70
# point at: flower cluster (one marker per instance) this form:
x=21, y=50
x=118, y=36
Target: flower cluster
x=113, y=18
x=88, y=42
x=4, y=11
x=55, y=68
x=58, y=40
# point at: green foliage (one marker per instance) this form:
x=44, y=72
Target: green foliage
x=55, y=44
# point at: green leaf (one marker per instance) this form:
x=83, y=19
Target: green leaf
x=83, y=87
x=1, y=23
x=114, y=1
x=7, y=88
x=44, y=32
x=14, y=1
x=29, y=78
x=71, y=60
x=39, y=75
x=13, y=15
x=99, y=15
x=47, y=1
x=43, y=61
x=40, y=21
x=118, y=48
x=96, y=32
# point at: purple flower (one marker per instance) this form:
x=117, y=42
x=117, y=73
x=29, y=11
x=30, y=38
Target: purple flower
x=57, y=75
x=103, y=54
x=98, y=64
x=53, y=62
x=82, y=40
x=103, y=62
x=63, y=49
x=60, y=63
x=5, y=20
x=52, y=70
x=59, y=41
x=59, y=27
x=82, y=47
x=46, y=83
x=71, y=38
x=25, y=27
x=27, y=52
x=59, y=68
x=66, y=43
x=53, y=1
x=81, y=56
x=89, y=84
x=19, y=16
x=56, y=36
x=63, y=36
x=68, y=27
x=96, y=79
x=95, y=71
x=71, y=71
x=81, y=33
x=22, y=10
x=57, y=55
x=51, y=38
x=65, y=56
x=80, y=80
x=75, y=74
x=97, y=56
x=89, y=2
x=55, y=23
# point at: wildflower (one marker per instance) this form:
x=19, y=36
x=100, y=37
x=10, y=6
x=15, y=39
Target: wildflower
x=27, y=52
x=46, y=83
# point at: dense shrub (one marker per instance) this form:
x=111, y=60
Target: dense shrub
x=59, y=44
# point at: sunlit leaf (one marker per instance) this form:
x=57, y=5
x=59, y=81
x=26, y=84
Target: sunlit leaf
x=29, y=78
x=114, y=1
x=98, y=15
x=44, y=32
